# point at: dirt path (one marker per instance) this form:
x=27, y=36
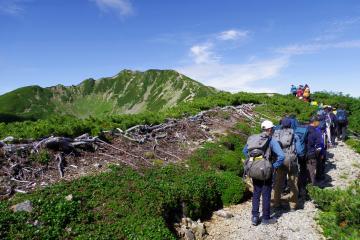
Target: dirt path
x=343, y=166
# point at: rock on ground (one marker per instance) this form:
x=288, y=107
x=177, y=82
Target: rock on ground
x=23, y=207
x=342, y=167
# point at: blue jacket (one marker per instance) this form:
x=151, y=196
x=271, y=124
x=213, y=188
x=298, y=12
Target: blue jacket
x=275, y=148
x=314, y=141
x=294, y=123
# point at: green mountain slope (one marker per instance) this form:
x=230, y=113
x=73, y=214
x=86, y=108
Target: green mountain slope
x=127, y=92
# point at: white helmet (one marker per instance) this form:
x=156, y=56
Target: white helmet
x=266, y=125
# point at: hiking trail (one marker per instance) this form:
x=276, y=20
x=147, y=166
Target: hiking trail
x=342, y=167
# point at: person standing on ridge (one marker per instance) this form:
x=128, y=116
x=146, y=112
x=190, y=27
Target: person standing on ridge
x=306, y=94
x=293, y=90
x=300, y=92
x=260, y=151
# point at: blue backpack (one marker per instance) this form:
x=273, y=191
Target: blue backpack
x=322, y=120
x=301, y=133
x=341, y=116
x=277, y=127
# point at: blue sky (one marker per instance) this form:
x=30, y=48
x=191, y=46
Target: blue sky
x=256, y=45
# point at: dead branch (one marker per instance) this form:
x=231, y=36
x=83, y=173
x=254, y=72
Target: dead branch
x=119, y=159
x=60, y=164
x=123, y=151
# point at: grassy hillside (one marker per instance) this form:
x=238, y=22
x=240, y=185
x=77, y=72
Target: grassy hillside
x=123, y=204
x=127, y=92
x=276, y=105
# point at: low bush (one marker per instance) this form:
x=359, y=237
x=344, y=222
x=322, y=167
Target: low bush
x=340, y=215
x=121, y=204
x=354, y=144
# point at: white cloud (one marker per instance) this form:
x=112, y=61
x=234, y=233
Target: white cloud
x=208, y=69
x=236, y=77
x=122, y=7
x=232, y=34
x=299, y=49
x=11, y=7
x=202, y=53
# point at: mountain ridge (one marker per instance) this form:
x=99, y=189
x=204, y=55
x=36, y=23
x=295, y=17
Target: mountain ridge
x=124, y=93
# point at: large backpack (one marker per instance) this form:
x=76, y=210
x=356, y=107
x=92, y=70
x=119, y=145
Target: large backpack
x=301, y=133
x=322, y=120
x=258, y=165
x=285, y=137
x=341, y=116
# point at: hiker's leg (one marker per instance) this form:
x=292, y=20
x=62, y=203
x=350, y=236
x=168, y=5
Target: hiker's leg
x=258, y=185
x=343, y=132
x=303, y=178
x=339, y=129
x=328, y=132
x=333, y=134
x=319, y=166
x=278, y=186
x=311, y=168
x=294, y=190
x=266, y=197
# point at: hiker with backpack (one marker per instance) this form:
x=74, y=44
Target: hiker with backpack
x=291, y=118
x=302, y=133
x=293, y=90
x=331, y=125
x=322, y=117
x=342, y=123
x=300, y=92
x=313, y=148
x=287, y=139
x=260, y=150
x=306, y=94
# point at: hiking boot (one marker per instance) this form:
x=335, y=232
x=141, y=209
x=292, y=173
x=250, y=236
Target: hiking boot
x=255, y=221
x=269, y=221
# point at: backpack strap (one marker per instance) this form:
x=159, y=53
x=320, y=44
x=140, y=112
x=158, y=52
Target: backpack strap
x=267, y=154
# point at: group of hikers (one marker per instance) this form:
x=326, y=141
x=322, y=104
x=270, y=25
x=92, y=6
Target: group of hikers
x=302, y=92
x=290, y=156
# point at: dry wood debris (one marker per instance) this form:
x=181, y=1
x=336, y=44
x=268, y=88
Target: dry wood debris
x=26, y=165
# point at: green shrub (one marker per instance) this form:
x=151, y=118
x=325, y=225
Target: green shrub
x=355, y=144
x=233, y=188
x=42, y=157
x=340, y=216
x=215, y=156
x=121, y=204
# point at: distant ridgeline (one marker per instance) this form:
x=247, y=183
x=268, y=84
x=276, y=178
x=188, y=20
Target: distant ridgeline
x=127, y=92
